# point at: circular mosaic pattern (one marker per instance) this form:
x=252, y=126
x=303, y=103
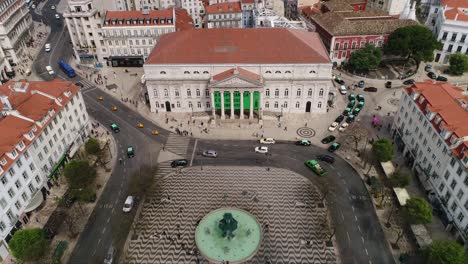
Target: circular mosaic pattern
x=393, y=101
x=305, y=132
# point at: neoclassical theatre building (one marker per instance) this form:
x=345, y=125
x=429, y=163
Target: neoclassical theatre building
x=239, y=73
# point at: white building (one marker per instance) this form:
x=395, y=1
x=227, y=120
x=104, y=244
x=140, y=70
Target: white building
x=274, y=70
x=393, y=7
x=195, y=8
x=449, y=23
x=431, y=131
x=224, y=15
x=42, y=123
x=15, y=31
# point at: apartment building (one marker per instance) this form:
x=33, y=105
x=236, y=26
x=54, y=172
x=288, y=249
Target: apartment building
x=224, y=15
x=195, y=8
x=15, y=32
x=42, y=124
x=431, y=131
x=448, y=20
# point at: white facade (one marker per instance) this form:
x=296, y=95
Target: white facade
x=195, y=9
x=15, y=30
x=25, y=171
x=225, y=20
x=443, y=174
x=393, y=7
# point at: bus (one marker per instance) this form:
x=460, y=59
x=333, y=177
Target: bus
x=67, y=69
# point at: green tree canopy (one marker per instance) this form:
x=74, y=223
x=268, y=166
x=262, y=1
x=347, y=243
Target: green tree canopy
x=458, y=64
x=28, y=244
x=92, y=146
x=445, y=252
x=401, y=178
x=365, y=59
x=415, y=42
x=418, y=210
x=79, y=174
x=383, y=149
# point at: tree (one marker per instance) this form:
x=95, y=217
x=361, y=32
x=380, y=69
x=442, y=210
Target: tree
x=419, y=211
x=356, y=134
x=458, y=64
x=445, y=252
x=92, y=147
x=79, y=174
x=28, y=244
x=383, y=149
x=401, y=178
x=414, y=41
x=365, y=59
x=141, y=180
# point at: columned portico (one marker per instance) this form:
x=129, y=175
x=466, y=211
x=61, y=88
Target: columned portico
x=222, y=105
x=241, y=114
x=232, y=104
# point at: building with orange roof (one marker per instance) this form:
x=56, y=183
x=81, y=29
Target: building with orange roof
x=242, y=72
x=431, y=131
x=42, y=124
x=224, y=15
x=448, y=20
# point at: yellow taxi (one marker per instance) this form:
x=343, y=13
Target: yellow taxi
x=100, y=98
x=140, y=125
x=114, y=108
x=155, y=132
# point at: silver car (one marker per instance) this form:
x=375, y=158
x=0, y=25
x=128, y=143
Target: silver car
x=110, y=255
x=210, y=153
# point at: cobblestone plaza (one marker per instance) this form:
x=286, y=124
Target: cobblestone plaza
x=298, y=228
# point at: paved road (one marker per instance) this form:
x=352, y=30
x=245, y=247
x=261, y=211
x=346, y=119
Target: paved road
x=359, y=236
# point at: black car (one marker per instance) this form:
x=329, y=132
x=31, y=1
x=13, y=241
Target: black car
x=370, y=89
x=339, y=80
x=328, y=139
x=408, y=82
x=326, y=158
x=431, y=75
x=339, y=118
x=441, y=78
x=428, y=68
x=388, y=84
x=179, y=162
x=79, y=84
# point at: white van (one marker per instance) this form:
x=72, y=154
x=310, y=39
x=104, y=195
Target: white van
x=128, y=205
x=50, y=70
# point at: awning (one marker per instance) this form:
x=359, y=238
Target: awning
x=388, y=168
x=422, y=236
x=402, y=195
x=36, y=201
x=59, y=163
x=73, y=150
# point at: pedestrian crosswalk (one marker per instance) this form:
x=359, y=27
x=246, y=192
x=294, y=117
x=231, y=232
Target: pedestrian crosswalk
x=86, y=84
x=164, y=168
x=177, y=144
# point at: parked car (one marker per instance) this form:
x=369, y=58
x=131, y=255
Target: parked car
x=388, y=84
x=267, y=141
x=442, y=78
x=326, y=158
x=130, y=152
x=347, y=111
x=128, y=205
x=57, y=16
x=315, y=167
x=334, y=147
x=351, y=104
x=409, y=82
x=115, y=128
x=351, y=97
x=179, y=163
x=339, y=80
x=333, y=126
x=343, y=89
x=328, y=139
x=428, y=67
x=47, y=47
x=356, y=111
x=339, y=119
x=210, y=153
x=361, y=84
x=52, y=7
x=360, y=104
x=370, y=89
x=110, y=255
x=50, y=70
x=350, y=119
x=360, y=98
x=303, y=142
x=431, y=75
x=262, y=149
x=343, y=127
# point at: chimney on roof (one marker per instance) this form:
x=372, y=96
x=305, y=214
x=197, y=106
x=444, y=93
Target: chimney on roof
x=6, y=103
x=456, y=16
x=236, y=71
x=145, y=10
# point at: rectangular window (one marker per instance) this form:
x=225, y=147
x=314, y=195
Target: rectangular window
x=453, y=184
x=38, y=180
x=450, y=47
x=452, y=161
x=462, y=39
x=454, y=37
x=18, y=205
x=11, y=193
x=3, y=203
x=444, y=36
x=453, y=207
x=459, y=171
x=2, y=226
x=460, y=194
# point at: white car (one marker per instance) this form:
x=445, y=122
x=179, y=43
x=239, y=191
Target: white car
x=267, y=141
x=50, y=70
x=343, y=127
x=48, y=47
x=57, y=16
x=333, y=126
x=52, y=7
x=128, y=205
x=33, y=6
x=263, y=150
x=343, y=89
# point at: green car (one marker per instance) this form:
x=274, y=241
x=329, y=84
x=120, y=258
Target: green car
x=347, y=111
x=303, y=142
x=130, y=152
x=115, y=128
x=334, y=147
x=356, y=111
x=351, y=97
x=360, y=104
x=360, y=98
x=315, y=167
x=350, y=119
x=350, y=104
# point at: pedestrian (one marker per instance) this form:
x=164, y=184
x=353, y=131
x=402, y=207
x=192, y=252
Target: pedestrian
x=285, y=128
x=188, y=122
x=120, y=160
x=191, y=134
x=164, y=147
x=306, y=124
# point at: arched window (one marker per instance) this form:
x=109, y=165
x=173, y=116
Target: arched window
x=177, y=93
x=207, y=93
x=186, y=72
x=197, y=92
x=277, y=71
x=298, y=104
x=205, y=72
x=321, y=92
x=196, y=72
x=190, y=105
x=286, y=92
x=319, y=105
x=199, y=104
x=285, y=105
x=309, y=93
x=208, y=105
x=276, y=104
x=276, y=92
x=267, y=92
x=288, y=72
x=312, y=72
x=157, y=105
x=268, y=72
x=162, y=72
x=189, y=93
x=298, y=93
x=166, y=93
x=178, y=104
x=267, y=105
x=155, y=92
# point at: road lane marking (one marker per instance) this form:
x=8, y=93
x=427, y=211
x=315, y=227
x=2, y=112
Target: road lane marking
x=108, y=219
x=334, y=168
x=193, y=152
x=99, y=241
x=352, y=207
x=367, y=253
x=94, y=252
x=349, y=239
x=113, y=209
x=355, y=217
x=342, y=216
x=339, y=174
x=103, y=230
x=359, y=228
x=362, y=238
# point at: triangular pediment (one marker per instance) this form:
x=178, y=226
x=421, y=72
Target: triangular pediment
x=236, y=81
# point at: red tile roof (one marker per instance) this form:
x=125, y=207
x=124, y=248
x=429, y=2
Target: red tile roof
x=224, y=8
x=183, y=19
x=154, y=17
x=456, y=14
x=239, y=45
x=245, y=74
x=34, y=103
x=454, y=3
